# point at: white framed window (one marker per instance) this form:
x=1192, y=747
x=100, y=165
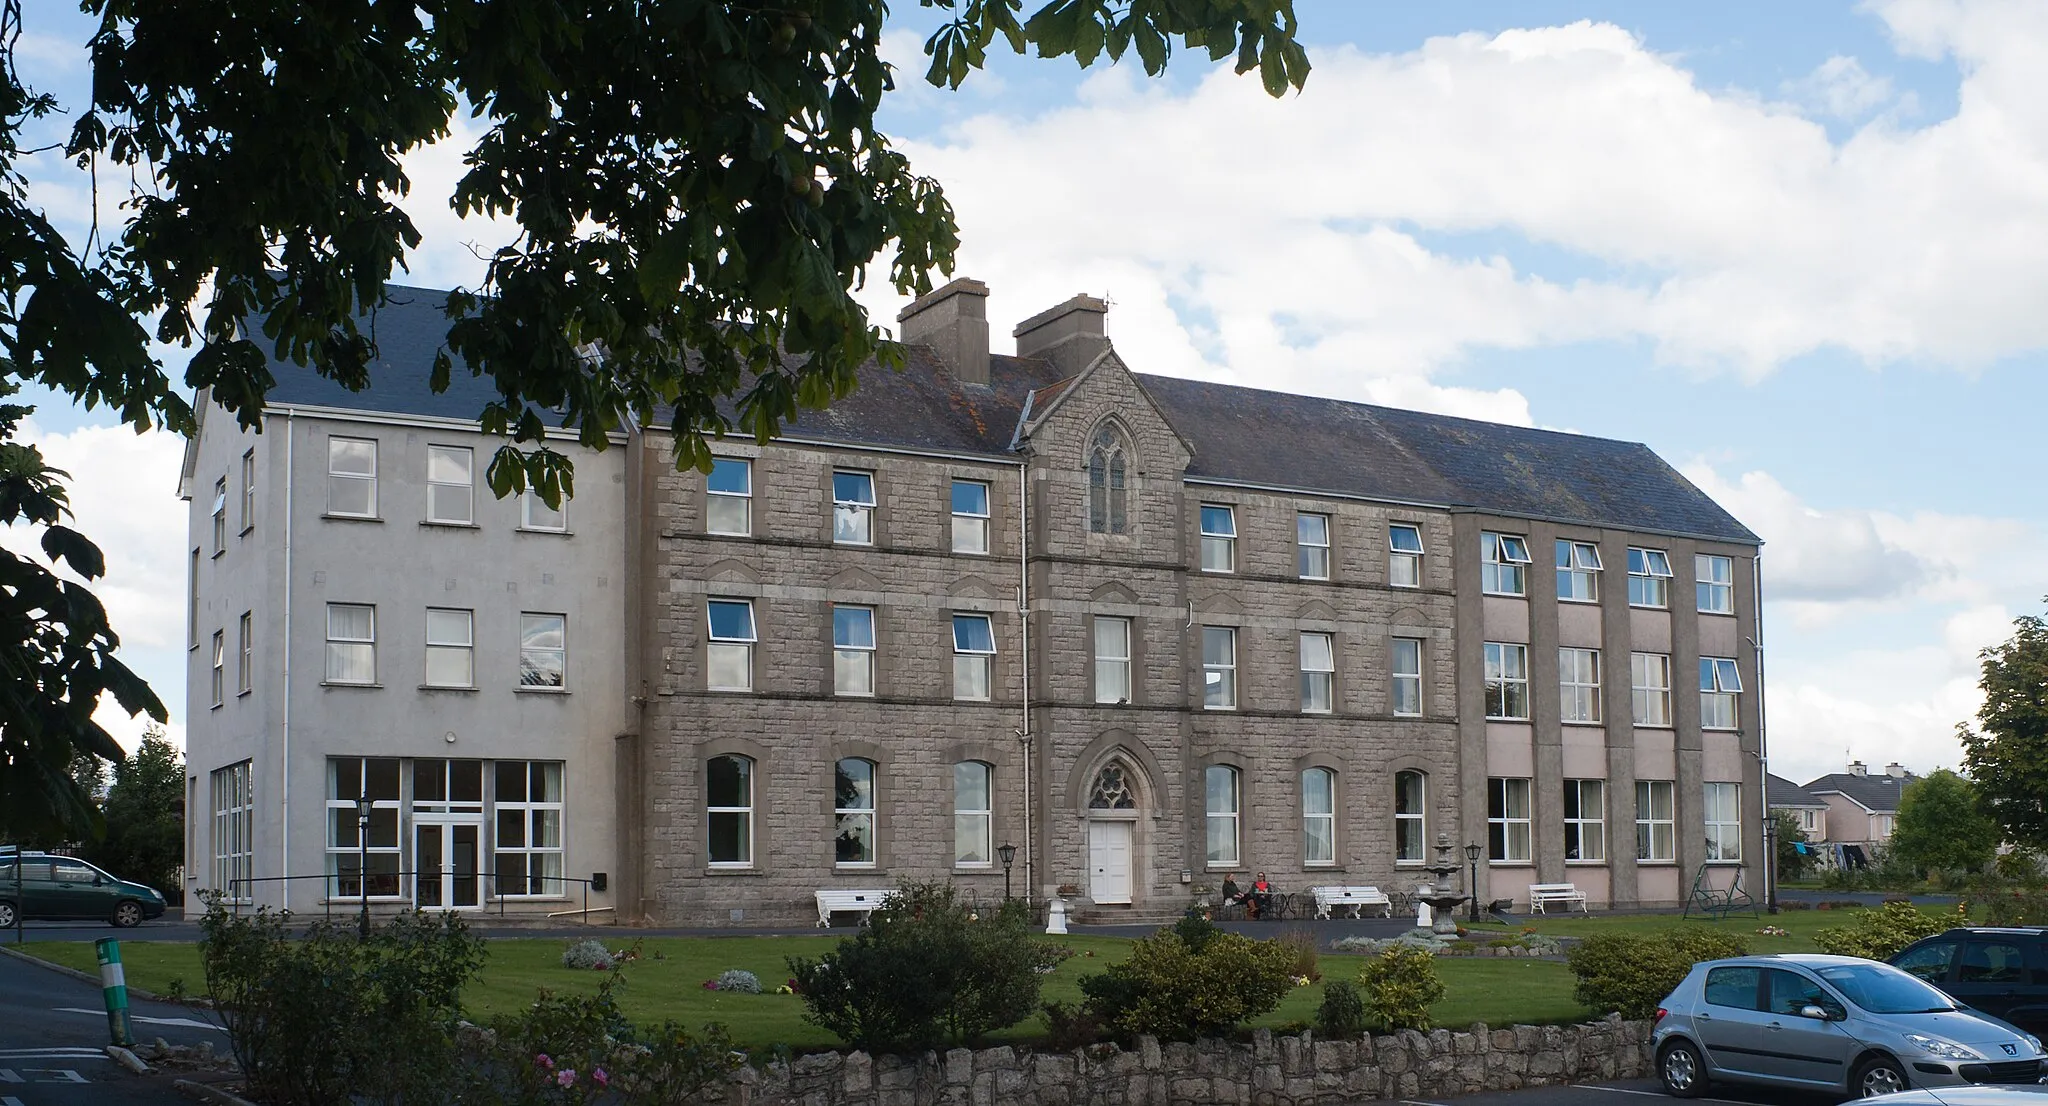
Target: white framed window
x=1318, y=673
x=1225, y=800
x=1507, y=820
x=451, y=647
x=543, y=650
x=1219, y=668
x=970, y=516
x=249, y=490
x=526, y=840
x=1724, y=821
x=1649, y=684
x=352, y=477
x=351, y=643
x=1219, y=538
x=1404, y=555
x=245, y=649
x=729, y=808
x=220, y=660
x=192, y=604
x=853, y=508
x=1585, y=821
x=1318, y=817
x=1503, y=564
x=1107, y=465
x=376, y=778
x=853, y=650
x=1411, y=795
x=1112, y=659
x=1578, y=572
x=451, y=484
x=974, y=656
x=1649, y=578
x=853, y=813
x=1714, y=583
x=1405, y=676
x=1656, y=822
x=443, y=786
x=234, y=830
x=220, y=515
x=973, y=815
x=535, y=514
x=1720, y=684
x=1578, y=677
x=1312, y=546
x=1809, y=821
x=729, y=497
x=1507, y=681
x=729, y=650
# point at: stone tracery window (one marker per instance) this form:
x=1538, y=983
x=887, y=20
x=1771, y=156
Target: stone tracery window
x=1112, y=789
x=1108, y=464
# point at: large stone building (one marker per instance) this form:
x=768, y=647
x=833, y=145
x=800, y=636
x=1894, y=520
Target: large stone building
x=1150, y=631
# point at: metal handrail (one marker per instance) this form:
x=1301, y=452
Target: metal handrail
x=328, y=901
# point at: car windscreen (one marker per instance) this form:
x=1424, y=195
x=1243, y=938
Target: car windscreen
x=1882, y=989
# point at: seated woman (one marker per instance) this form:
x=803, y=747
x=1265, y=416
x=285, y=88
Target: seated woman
x=1232, y=896
x=1260, y=898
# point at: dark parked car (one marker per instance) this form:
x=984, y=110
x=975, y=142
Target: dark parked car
x=2002, y=972
x=55, y=888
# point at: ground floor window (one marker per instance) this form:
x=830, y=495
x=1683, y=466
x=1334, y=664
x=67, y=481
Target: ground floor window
x=1724, y=821
x=234, y=825
x=527, y=833
x=354, y=868
x=438, y=824
x=1507, y=820
x=1656, y=827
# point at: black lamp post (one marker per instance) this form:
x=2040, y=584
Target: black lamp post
x=363, y=870
x=1472, y=859
x=1009, y=854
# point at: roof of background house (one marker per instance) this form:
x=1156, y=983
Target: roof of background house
x=1876, y=792
x=1241, y=435
x=1780, y=791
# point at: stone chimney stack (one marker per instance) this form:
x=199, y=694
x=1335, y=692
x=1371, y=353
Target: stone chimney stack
x=1856, y=768
x=1069, y=335
x=1895, y=770
x=953, y=320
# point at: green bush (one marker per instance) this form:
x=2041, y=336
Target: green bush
x=1068, y=1027
x=1171, y=991
x=1342, y=1013
x=324, y=1017
x=925, y=972
x=580, y=1049
x=1401, y=985
x=1631, y=973
x=1195, y=928
x=1880, y=934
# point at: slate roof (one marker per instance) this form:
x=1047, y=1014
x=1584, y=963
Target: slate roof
x=1876, y=792
x=1781, y=792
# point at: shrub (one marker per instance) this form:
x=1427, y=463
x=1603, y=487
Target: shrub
x=736, y=979
x=1342, y=1013
x=1632, y=973
x=1195, y=928
x=1880, y=934
x=1068, y=1027
x=924, y=972
x=589, y=954
x=1171, y=991
x=1301, y=944
x=1401, y=985
x=578, y=1049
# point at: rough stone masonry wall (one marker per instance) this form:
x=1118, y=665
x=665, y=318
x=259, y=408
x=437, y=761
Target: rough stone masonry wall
x=1268, y=1071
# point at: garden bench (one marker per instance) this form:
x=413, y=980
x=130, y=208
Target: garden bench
x=1542, y=895
x=1356, y=899
x=1715, y=902
x=841, y=900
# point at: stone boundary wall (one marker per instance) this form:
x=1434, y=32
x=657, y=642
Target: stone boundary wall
x=1268, y=1071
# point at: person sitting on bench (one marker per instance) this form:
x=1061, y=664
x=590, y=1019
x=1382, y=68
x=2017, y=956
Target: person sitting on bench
x=1260, y=899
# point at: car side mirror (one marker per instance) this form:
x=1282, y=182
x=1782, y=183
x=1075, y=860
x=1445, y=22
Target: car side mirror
x=1817, y=1013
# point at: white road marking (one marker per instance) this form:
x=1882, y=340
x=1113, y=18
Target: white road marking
x=9, y=1100
x=1650, y=1094
x=61, y=1052
x=188, y=1022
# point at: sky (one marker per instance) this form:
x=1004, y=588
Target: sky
x=1801, y=251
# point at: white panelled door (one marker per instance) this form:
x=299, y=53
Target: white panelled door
x=1109, y=861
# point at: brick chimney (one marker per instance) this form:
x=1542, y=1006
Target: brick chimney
x=953, y=320
x=1895, y=770
x=1856, y=768
x=1069, y=335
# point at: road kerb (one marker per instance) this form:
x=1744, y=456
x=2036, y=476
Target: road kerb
x=128, y=1059
x=206, y=1092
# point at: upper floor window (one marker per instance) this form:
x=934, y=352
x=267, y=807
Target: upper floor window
x=970, y=516
x=1578, y=677
x=220, y=650
x=853, y=650
x=1224, y=792
x=729, y=807
x=1219, y=538
x=451, y=648
x=450, y=486
x=351, y=644
x=352, y=477
x=973, y=815
x=1503, y=564
x=853, y=508
x=853, y=813
x=1406, y=676
x=1715, y=583
x=1585, y=820
x=248, y=490
x=247, y=649
x=1411, y=791
x=1318, y=816
x=543, y=650
x=1318, y=674
x=1650, y=688
x=1578, y=571
x=220, y=514
x=1112, y=659
x=1312, y=546
x=1219, y=668
x=729, y=652
x=974, y=655
x=1724, y=821
x=1107, y=462
x=1507, y=681
x=729, y=497
x=1404, y=555
x=1649, y=578
x=1508, y=822
x=535, y=514
x=1720, y=683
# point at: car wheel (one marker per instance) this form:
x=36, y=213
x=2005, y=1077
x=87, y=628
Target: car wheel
x=7, y=918
x=1681, y=1069
x=1878, y=1075
x=128, y=915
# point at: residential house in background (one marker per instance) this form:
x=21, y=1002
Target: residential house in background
x=1863, y=808
x=1809, y=809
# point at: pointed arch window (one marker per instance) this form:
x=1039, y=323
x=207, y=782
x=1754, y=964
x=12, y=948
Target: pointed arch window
x=1112, y=789
x=1108, y=464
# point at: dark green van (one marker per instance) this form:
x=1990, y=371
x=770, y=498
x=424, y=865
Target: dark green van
x=45, y=887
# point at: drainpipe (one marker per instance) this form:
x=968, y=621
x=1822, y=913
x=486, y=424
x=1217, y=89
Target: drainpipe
x=1024, y=640
x=1763, y=746
x=284, y=791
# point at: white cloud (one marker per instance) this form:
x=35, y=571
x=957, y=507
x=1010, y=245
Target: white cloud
x=1842, y=88
x=1814, y=555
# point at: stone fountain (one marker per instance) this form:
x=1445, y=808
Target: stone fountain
x=1436, y=902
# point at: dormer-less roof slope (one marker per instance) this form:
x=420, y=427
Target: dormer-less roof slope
x=1877, y=793
x=1781, y=792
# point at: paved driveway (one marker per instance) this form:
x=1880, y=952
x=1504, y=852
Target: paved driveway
x=53, y=1029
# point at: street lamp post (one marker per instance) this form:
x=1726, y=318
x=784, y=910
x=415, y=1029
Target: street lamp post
x=1472, y=859
x=363, y=864
x=1009, y=854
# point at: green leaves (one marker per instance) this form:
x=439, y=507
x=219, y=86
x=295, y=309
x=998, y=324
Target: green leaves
x=2007, y=756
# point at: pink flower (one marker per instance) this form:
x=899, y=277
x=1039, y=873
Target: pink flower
x=541, y=1058
x=600, y=1078
x=565, y=1077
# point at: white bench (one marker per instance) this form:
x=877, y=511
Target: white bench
x=840, y=900
x=1357, y=899
x=1542, y=895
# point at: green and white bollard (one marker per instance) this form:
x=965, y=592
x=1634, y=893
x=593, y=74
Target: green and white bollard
x=114, y=987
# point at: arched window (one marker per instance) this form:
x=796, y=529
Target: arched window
x=1112, y=789
x=1108, y=464
x=1224, y=792
x=973, y=814
x=1411, y=793
x=853, y=809
x=729, y=799
x=1319, y=816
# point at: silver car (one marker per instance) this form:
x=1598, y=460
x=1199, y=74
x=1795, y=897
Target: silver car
x=1829, y=1022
